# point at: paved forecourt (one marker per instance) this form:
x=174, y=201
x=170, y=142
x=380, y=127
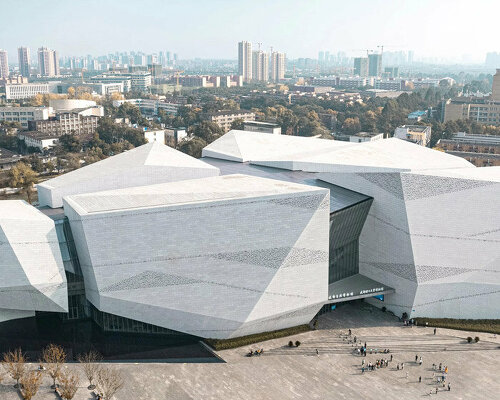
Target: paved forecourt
x=292, y=373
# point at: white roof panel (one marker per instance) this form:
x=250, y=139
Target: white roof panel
x=227, y=187
x=148, y=164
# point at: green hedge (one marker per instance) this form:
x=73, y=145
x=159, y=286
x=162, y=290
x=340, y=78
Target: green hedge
x=224, y=344
x=473, y=325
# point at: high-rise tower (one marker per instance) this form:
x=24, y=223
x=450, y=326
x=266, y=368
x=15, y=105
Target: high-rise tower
x=4, y=64
x=277, y=66
x=24, y=58
x=245, y=60
x=48, y=62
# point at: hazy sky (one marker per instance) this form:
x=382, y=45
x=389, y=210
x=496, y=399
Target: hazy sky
x=212, y=28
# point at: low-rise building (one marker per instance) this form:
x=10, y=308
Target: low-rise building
x=65, y=105
x=173, y=136
x=225, y=118
x=231, y=81
x=140, y=81
x=125, y=80
x=266, y=127
x=361, y=137
x=480, y=150
x=39, y=140
x=25, y=114
x=480, y=109
x=418, y=115
x=389, y=84
x=155, y=136
x=309, y=89
x=419, y=134
x=28, y=90
x=74, y=122
x=151, y=106
x=104, y=89
x=13, y=79
x=8, y=159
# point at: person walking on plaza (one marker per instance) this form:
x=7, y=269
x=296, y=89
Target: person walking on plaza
x=391, y=357
x=416, y=358
x=420, y=361
x=317, y=352
x=435, y=330
x=419, y=379
x=406, y=375
x=449, y=386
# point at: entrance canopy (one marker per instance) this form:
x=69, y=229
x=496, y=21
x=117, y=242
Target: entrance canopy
x=355, y=287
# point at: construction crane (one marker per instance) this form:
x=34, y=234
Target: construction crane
x=177, y=75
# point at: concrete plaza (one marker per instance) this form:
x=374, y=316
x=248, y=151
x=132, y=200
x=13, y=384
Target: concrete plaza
x=299, y=372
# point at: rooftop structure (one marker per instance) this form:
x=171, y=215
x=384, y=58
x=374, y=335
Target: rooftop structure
x=147, y=164
x=361, y=137
x=418, y=134
x=259, y=126
x=322, y=155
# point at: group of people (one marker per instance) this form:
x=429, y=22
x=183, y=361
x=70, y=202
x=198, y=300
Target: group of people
x=383, y=363
x=361, y=351
x=257, y=352
x=441, y=367
x=437, y=389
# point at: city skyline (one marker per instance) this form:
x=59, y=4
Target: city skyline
x=291, y=26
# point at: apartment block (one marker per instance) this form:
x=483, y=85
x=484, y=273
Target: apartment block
x=245, y=60
x=25, y=114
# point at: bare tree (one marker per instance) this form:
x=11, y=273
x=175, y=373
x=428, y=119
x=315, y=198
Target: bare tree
x=108, y=381
x=68, y=384
x=15, y=364
x=90, y=365
x=30, y=383
x=54, y=356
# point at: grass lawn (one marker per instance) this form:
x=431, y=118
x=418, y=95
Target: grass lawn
x=474, y=325
x=224, y=344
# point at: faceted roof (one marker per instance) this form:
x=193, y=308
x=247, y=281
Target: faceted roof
x=218, y=188
x=321, y=155
x=147, y=164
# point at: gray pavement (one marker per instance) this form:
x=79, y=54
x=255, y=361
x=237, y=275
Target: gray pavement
x=299, y=373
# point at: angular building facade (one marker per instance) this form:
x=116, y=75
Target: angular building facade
x=432, y=229
x=215, y=257
x=428, y=235
x=32, y=271
x=258, y=235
